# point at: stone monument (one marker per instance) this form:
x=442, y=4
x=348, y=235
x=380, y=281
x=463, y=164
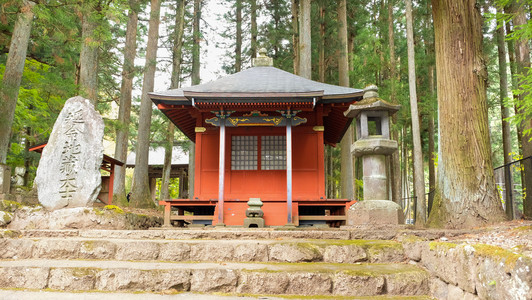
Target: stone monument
x=373, y=144
x=69, y=170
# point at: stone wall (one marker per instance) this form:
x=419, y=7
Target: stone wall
x=472, y=271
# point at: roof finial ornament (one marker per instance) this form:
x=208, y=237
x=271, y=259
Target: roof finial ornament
x=371, y=91
x=262, y=60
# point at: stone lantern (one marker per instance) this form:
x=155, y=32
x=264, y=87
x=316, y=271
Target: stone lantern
x=373, y=144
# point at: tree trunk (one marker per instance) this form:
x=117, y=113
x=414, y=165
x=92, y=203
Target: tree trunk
x=343, y=77
x=295, y=34
x=124, y=111
x=177, y=47
x=141, y=188
x=88, y=59
x=254, y=30
x=196, y=45
x=466, y=195
x=238, y=43
x=167, y=168
x=13, y=75
x=522, y=55
x=505, y=113
x=395, y=163
x=174, y=84
x=419, y=181
x=305, y=53
x=321, y=44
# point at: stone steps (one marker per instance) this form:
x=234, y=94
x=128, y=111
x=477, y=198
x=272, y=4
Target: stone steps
x=11, y=294
x=242, y=278
x=298, y=250
x=326, y=264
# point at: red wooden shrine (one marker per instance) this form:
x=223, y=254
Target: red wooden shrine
x=272, y=127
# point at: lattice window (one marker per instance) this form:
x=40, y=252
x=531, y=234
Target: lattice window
x=244, y=152
x=273, y=152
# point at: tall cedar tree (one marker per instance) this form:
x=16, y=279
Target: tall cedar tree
x=196, y=33
x=177, y=51
x=419, y=175
x=124, y=112
x=505, y=111
x=343, y=76
x=88, y=59
x=141, y=191
x=305, y=53
x=522, y=59
x=466, y=195
x=10, y=85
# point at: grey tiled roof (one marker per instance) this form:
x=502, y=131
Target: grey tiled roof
x=261, y=82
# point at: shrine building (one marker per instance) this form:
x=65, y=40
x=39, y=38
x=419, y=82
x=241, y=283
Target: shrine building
x=259, y=133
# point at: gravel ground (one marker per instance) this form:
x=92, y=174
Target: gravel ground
x=513, y=235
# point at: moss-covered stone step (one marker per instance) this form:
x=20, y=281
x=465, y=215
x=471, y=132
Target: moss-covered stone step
x=299, y=250
x=48, y=294
x=245, y=278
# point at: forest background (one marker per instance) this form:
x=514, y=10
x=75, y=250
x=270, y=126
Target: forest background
x=110, y=51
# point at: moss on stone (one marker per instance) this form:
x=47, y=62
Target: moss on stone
x=114, y=208
x=441, y=246
x=82, y=272
x=366, y=269
x=410, y=238
x=9, y=206
x=10, y=234
x=502, y=255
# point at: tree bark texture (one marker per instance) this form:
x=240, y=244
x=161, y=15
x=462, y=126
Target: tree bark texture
x=88, y=59
x=124, y=111
x=167, y=168
x=305, y=53
x=13, y=74
x=196, y=45
x=346, y=170
x=238, y=43
x=321, y=45
x=419, y=178
x=465, y=195
x=522, y=58
x=295, y=34
x=505, y=113
x=141, y=188
x=254, y=30
x=177, y=47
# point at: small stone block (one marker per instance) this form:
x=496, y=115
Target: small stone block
x=259, y=222
x=5, y=179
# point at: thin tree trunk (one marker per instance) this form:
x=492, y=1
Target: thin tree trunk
x=305, y=53
x=466, y=195
x=295, y=34
x=196, y=45
x=432, y=111
x=254, y=31
x=13, y=75
x=419, y=181
x=167, y=168
x=321, y=44
x=124, y=111
x=177, y=48
x=522, y=55
x=174, y=84
x=141, y=196
x=505, y=113
x=343, y=77
x=395, y=163
x=88, y=60
x=238, y=43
